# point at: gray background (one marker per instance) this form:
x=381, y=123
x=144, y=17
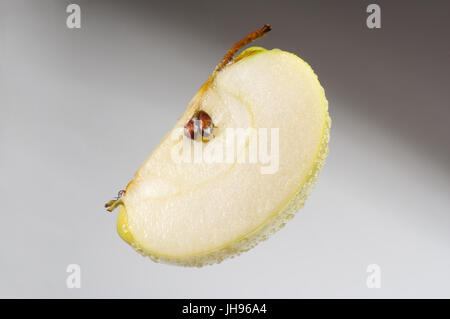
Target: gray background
x=81, y=109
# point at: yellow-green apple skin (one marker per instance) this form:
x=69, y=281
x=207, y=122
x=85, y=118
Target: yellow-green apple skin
x=194, y=214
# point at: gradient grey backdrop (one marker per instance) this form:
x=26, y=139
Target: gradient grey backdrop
x=81, y=109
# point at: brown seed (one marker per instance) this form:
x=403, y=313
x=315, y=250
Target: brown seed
x=200, y=122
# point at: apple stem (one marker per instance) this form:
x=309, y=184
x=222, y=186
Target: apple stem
x=242, y=43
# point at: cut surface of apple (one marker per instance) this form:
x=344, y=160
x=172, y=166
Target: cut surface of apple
x=191, y=213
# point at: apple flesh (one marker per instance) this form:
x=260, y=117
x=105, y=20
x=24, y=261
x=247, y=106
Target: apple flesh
x=195, y=214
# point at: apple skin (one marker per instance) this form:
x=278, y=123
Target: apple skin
x=258, y=234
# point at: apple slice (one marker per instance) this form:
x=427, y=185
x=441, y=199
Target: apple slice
x=196, y=213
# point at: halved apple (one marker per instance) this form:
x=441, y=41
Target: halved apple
x=196, y=213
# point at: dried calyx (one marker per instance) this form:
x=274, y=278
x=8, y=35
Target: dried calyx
x=113, y=203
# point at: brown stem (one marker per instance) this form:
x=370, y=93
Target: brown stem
x=239, y=45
